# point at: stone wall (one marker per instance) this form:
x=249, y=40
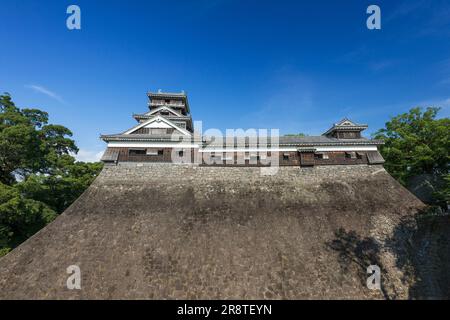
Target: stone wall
x=181, y=231
x=162, y=172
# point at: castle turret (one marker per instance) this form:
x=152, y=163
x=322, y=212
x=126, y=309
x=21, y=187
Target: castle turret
x=171, y=106
x=176, y=101
x=346, y=129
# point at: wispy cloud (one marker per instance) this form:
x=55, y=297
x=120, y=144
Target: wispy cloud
x=381, y=65
x=88, y=155
x=46, y=91
x=443, y=68
x=424, y=17
x=406, y=8
x=444, y=104
x=365, y=57
x=288, y=101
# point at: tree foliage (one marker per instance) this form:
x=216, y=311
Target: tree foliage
x=39, y=178
x=417, y=143
x=20, y=217
x=28, y=144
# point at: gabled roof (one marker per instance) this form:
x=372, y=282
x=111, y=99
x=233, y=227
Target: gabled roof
x=174, y=112
x=157, y=119
x=346, y=124
x=147, y=137
x=138, y=116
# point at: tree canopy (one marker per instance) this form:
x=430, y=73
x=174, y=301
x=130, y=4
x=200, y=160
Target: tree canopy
x=28, y=144
x=416, y=143
x=39, y=177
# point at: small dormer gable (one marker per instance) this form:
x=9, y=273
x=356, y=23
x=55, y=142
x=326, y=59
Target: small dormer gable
x=346, y=129
x=346, y=123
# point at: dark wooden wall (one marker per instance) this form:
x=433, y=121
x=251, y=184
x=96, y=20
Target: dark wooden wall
x=294, y=159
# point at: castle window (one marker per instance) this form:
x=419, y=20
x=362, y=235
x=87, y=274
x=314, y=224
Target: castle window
x=216, y=156
x=180, y=153
x=286, y=156
x=323, y=156
x=350, y=155
x=151, y=152
x=157, y=130
x=181, y=124
x=136, y=152
x=155, y=152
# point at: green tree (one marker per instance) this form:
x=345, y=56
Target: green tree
x=39, y=178
x=443, y=194
x=60, y=189
x=28, y=144
x=20, y=217
x=416, y=143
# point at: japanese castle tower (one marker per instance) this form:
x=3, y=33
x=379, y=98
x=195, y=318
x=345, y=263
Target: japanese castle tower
x=166, y=133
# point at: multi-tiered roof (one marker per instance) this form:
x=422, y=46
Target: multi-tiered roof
x=168, y=121
x=168, y=116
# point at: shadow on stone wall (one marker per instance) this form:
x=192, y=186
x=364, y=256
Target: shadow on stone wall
x=421, y=247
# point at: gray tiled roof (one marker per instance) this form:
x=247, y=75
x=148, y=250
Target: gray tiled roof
x=142, y=137
x=375, y=157
x=297, y=141
x=167, y=94
x=341, y=126
x=147, y=116
x=220, y=141
x=110, y=155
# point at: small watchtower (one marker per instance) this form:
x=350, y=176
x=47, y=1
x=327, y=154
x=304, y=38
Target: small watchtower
x=175, y=101
x=345, y=129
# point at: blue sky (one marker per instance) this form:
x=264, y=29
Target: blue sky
x=294, y=65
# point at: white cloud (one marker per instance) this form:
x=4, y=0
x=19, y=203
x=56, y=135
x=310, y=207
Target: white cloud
x=45, y=91
x=381, y=65
x=442, y=103
x=88, y=155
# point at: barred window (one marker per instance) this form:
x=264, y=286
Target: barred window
x=136, y=152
